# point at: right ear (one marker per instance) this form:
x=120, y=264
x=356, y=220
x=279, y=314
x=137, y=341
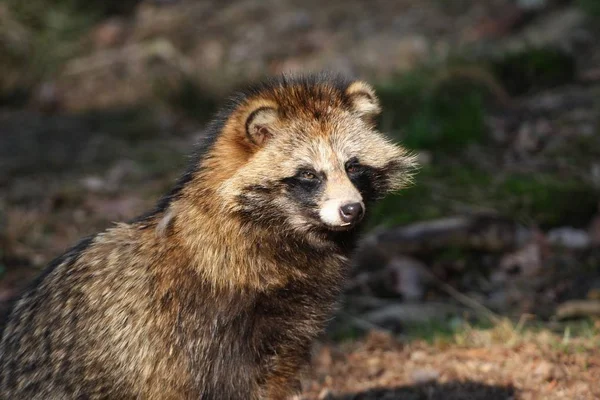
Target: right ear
x=364, y=101
x=260, y=124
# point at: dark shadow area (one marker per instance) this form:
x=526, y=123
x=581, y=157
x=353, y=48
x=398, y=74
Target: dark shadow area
x=34, y=144
x=435, y=391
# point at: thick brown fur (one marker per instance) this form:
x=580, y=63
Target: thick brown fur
x=219, y=291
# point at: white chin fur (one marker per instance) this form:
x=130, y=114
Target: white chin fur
x=330, y=213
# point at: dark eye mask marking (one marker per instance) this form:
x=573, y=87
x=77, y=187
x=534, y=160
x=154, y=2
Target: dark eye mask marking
x=304, y=191
x=370, y=181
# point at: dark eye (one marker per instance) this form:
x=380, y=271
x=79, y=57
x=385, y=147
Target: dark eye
x=308, y=175
x=352, y=169
x=352, y=166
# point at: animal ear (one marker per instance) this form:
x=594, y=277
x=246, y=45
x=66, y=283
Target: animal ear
x=260, y=125
x=363, y=99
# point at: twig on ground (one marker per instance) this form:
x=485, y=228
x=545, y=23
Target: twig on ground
x=364, y=324
x=466, y=300
x=578, y=308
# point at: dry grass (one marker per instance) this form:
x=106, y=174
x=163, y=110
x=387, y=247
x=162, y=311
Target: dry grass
x=507, y=361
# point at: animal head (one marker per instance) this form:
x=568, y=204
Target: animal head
x=304, y=153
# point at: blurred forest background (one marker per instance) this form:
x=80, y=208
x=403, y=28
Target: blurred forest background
x=480, y=281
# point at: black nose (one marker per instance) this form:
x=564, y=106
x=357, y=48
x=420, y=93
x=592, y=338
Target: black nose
x=351, y=212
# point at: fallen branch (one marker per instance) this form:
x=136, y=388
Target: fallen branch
x=578, y=309
x=362, y=323
x=159, y=48
x=466, y=300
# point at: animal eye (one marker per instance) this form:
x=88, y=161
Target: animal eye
x=308, y=175
x=352, y=167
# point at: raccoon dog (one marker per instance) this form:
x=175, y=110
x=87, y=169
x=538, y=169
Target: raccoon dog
x=219, y=291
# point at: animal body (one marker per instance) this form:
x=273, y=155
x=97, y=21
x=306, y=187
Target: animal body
x=219, y=292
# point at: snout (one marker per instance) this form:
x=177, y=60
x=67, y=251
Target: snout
x=343, y=215
x=343, y=206
x=351, y=213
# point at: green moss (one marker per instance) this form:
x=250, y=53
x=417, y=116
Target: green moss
x=590, y=7
x=446, y=123
x=584, y=328
x=534, y=69
x=435, y=331
x=451, y=254
x=404, y=208
x=549, y=200
x=443, y=190
x=422, y=110
x=434, y=195
x=344, y=332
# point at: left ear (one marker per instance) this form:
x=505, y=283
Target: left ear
x=364, y=101
x=259, y=124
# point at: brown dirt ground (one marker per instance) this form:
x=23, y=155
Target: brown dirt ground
x=379, y=367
